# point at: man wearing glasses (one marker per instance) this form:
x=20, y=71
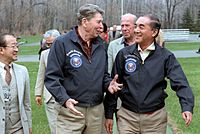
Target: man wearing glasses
x=15, y=105
x=40, y=89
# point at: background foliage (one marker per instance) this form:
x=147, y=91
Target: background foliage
x=37, y=16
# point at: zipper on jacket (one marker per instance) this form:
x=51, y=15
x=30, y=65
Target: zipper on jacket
x=87, y=57
x=138, y=56
x=142, y=62
x=90, y=61
x=148, y=57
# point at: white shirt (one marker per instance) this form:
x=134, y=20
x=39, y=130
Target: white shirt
x=3, y=72
x=146, y=52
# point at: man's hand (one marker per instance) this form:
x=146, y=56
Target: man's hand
x=30, y=130
x=38, y=100
x=187, y=116
x=114, y=86
x=109, y=126
x=70, y=105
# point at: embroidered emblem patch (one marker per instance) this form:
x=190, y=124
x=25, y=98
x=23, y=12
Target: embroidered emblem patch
x=75, y=58
x=76, y=61
x=130, y=65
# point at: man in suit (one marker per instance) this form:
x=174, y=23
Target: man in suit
x=15, y=105
x=40, y=89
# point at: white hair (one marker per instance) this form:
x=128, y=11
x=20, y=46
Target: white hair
x=50, y=33
x=130, y=15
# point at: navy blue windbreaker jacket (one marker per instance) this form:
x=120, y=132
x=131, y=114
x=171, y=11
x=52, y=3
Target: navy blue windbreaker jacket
x=144, y=83
x=70, y=74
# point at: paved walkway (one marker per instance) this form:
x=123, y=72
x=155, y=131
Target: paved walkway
x=28, y=58
x=178, y=54
x=186, y=53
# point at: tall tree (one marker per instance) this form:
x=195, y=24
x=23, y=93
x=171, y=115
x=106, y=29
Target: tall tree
x=187, y=20
x=171, y=6
x=197, y=25
x=11, y=16
x=26, y=16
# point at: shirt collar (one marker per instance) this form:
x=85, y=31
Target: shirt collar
x=123, y=41
x=2, y=65
x=93, y=41
x=149, y=48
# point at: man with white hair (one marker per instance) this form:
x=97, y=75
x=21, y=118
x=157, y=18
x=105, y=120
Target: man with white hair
x=50, y=34
x=127, y=27
x=40, y=89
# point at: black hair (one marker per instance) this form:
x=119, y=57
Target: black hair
x=155, y=22
x=3, y=40
x=105, y=27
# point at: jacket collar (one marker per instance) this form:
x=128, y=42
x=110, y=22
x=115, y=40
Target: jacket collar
x=74, y=37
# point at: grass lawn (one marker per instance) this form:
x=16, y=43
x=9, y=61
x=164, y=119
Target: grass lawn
x=29, y=50
x=33, y=50
x=30, y=39
x=182, y=45
x=191, y=69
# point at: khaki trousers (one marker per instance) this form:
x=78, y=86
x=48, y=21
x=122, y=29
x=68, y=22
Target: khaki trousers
x=134, y=123
x=91, y=123
x=52, y=112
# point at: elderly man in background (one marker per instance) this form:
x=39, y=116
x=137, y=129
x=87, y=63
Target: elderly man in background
x=127, y=27
x=40, y=89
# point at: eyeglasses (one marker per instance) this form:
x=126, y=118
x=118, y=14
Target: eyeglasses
x=48, y=44
x=13, y=46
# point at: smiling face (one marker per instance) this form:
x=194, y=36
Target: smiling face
x=9, y=52
x=144, y=33
x=94, y=26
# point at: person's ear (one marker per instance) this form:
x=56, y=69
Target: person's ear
x=155, y=32
x=84, y=22
x=1, y=50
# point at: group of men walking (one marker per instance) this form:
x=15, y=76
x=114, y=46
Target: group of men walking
x=75, y=71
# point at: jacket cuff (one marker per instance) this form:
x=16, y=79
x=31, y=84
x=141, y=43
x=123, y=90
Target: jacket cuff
x=187, y=108
x=109, y=115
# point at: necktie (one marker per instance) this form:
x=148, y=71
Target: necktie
x=8, y=74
